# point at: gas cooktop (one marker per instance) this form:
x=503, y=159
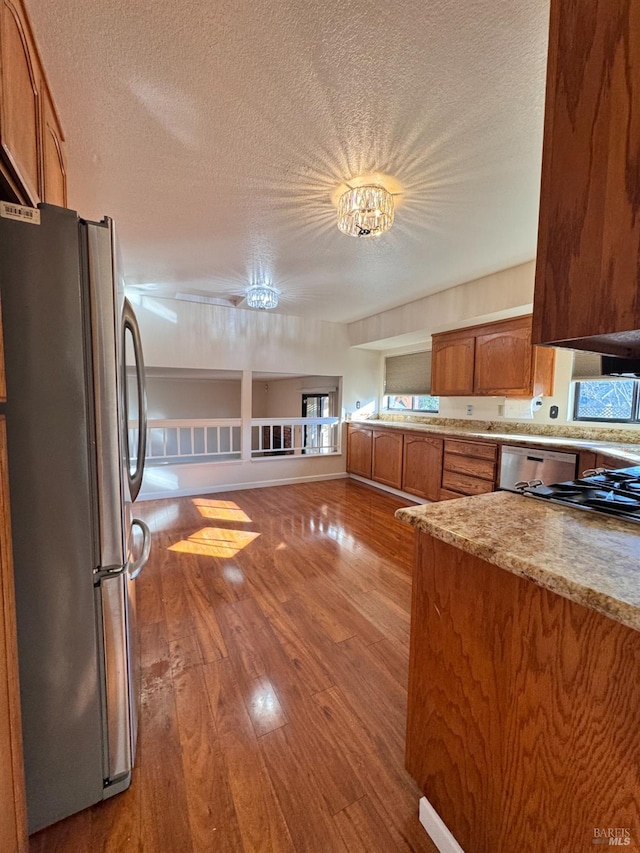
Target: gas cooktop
x=616, y=493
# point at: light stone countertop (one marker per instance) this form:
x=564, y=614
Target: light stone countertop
x=612, y=442
x=587, y=557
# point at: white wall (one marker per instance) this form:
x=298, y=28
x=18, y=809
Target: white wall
x=492, y=297
x=195, y=336
x=193, y=398
x=282, y=397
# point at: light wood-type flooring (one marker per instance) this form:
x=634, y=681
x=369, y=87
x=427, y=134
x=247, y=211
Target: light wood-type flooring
x=274, y=635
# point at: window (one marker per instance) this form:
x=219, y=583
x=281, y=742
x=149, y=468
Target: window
x=414, y=403
x=407, y=383
x=607, y=400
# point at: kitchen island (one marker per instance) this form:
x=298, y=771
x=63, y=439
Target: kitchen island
x=524, y=697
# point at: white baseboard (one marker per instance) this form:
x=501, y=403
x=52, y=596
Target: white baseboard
x=160, y=494
x=436, y=829
x=411, y=498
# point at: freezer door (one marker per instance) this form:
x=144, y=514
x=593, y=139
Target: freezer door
x=114, y=606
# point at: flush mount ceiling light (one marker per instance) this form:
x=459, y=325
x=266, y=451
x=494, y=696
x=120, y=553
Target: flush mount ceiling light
x=262, y=296
x=365, y=211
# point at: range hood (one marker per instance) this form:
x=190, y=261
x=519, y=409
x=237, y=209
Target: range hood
x=612, y=365
x=592, y=365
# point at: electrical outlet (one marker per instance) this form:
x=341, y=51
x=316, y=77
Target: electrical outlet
x=357, y=404
x=470, y=409
x=501, y=410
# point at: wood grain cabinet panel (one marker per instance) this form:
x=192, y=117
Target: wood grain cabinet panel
x=503, y=361
x=485, y=469
x=387, y=458
x=13, y=823
x=478, y=449
x=19, y=101
x=524, y=708
x=359, y=450
x=422, y=466
x=53, y=161
x=588, y=258
x=465, y=484
x=452, y=364
x=32, y=162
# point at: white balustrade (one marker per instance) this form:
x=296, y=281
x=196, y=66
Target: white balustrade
x=202, y=440
x=294, y=436
x=194, y=440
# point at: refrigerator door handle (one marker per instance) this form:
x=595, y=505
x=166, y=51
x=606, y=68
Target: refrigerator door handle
x=130, y=323
x=138, y=565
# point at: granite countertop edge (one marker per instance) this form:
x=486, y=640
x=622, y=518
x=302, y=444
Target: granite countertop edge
x=459, y=523
x=626, y=451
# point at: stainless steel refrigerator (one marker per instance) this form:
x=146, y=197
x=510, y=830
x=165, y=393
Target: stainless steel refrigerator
x=75, y=468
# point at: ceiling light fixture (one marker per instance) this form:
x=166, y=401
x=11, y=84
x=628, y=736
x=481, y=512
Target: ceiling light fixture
x=365, y=211
x=262, y=296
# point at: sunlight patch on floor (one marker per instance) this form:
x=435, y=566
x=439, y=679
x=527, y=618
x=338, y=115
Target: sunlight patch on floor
x=215, y=542
x=221, y=510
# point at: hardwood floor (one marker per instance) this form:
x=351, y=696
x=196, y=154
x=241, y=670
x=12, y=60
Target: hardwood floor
x=274, y=628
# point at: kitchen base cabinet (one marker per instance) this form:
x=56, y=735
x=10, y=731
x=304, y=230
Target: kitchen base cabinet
x=469, y=468
x=359, y=450
x=387, y=458
x=524, y=708
x=422, y=466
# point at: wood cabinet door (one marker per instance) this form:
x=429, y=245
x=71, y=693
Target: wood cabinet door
x=588, y=258
x=54, y=169
x=19, y=100
x=359, y=451
x=503, y=360
x=452, y=361
x=387, y=458
x=422, y=466
x=13, y=822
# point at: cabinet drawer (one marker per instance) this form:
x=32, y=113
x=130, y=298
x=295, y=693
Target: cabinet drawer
x=464, y=484
x=483, y=468
x=446, y=495
x=472, y=448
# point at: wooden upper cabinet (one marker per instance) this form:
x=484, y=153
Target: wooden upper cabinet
x=499, y=361
x=53, y=162
x=422, y=466
x=387, y=458
x=503, y=360
x=359, y=450
x=452, y=364
x=506, y=364
x=588, y=259
x=32, y=165
x=19, y=101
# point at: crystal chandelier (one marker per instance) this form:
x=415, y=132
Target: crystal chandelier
x=365, y=211
x=262, y=296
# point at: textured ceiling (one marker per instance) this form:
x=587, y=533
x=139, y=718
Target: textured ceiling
x=217, y=134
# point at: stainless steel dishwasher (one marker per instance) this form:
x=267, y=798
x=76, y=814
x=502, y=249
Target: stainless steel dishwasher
x=526, y=463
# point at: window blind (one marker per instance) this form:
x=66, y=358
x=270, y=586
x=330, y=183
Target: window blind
x=408, y=374
x=586, y=365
